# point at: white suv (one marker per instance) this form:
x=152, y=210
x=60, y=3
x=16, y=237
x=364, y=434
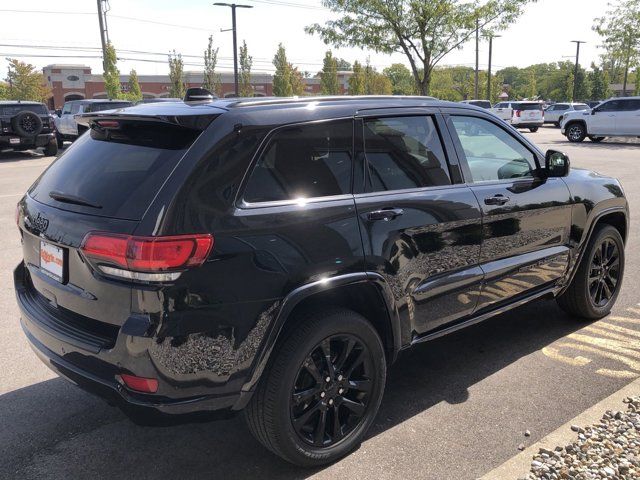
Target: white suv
x=618, y=117
x=521, y=114
x=556, y=112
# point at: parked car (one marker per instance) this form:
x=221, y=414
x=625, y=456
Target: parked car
x=521, y=114
x=158, y=100
x=618, y=117
x=267, y=257
x=26, y=125
x=66, y=125
x=555, y=113
x=478, y=103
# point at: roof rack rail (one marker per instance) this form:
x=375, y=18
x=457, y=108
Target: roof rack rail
x=246, y=102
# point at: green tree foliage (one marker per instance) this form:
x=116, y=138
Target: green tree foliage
x=282, y=77
x=532, y=85
x=375, y=83
x=401, y=79
x=135, y=93
x=111, y=73
x=620, y=33
x=297, y=81
x=244, y=81
x=176, y=75
x=329, y=84
x=637, y=83
x=356, y=81
x=343, y=65
x=599, y=80
x=424, y=31
x=24, y=82
x=211, y=78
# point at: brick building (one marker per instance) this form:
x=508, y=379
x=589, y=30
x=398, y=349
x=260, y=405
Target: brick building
x=76, y=82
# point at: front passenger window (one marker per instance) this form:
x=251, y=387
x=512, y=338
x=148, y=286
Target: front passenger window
x=491, y=152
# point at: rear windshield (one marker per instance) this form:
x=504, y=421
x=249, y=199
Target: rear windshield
x=99, y=107
x=114, y=172
x=15, y=109
x=527, y=106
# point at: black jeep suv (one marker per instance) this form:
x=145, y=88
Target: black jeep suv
x=275, y=256
x=26, y=125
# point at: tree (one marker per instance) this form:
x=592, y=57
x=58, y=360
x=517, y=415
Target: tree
x=25, y=83
x=211, y=78
x=111, y=73
x=246, y=62
x=343, y=65
x=424, y=31
x=282, y=77
x=135, y=93
x=176, y=75
x=356, y=81
x=621, y=35
x=329, y=84
x=401, y=79
x=375, y=83
x=4, y=91
x=532, y=86
x=637, y=84
x=599, y=79
x=297, y=81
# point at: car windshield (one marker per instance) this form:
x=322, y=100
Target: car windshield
x=581, y=107
x=15, y=109
x=99, y=107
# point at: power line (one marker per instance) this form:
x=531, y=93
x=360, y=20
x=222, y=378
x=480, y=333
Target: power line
x=289, y=4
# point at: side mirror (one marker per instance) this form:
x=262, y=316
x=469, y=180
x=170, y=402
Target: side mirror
x=59, y=112
x=557, y=164
x=593, y=111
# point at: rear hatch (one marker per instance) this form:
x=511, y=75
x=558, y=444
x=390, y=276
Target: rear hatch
x=525, y=112
x=103, y=183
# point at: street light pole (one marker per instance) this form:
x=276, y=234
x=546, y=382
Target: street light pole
x=575, y=71
x=491, y=37
x=233, y=7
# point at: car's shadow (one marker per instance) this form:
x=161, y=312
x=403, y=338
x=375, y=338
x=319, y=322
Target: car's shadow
x=53, y=430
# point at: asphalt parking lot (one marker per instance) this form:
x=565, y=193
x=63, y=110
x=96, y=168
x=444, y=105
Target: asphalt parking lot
x=454, y=409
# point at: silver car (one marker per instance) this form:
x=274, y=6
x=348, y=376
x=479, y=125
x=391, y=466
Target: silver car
x=557, y=111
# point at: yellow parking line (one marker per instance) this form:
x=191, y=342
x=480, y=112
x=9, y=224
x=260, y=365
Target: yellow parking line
x=616, y=373
x=617, y=328
x=632, y=343
x=555, y=354
x=634, y=365
x=624, y=319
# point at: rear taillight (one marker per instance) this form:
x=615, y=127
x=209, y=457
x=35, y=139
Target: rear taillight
x=517, y=113
x=146, y=258
x=140, y=384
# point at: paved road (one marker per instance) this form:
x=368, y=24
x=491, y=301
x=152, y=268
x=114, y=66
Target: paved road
x=454, y=408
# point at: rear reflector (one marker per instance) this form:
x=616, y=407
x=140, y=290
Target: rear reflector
x=146, y=254
x=140, y=384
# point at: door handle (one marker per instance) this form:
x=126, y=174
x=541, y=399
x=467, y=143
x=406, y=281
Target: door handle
x=497, y=199
x=385, y=214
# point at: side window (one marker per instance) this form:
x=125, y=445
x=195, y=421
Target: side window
x=66, y=109
x=562, y=107
x=304, y=161
x=491, y=152
x=404, y=153
x=630, y=105
x=610, y=106
x=75, y=108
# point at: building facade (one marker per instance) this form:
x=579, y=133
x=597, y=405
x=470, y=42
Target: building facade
x=76, y=82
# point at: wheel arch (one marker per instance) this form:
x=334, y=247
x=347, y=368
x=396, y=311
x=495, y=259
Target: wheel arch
x=364, y=293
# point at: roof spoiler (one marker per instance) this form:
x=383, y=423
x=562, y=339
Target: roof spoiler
x=198, y=94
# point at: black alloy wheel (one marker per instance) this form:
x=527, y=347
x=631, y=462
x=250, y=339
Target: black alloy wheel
x=332, y=390
x=604, y=273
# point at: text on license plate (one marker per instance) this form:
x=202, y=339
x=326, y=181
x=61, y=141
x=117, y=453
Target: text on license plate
x=51, y=260
x=14, y=140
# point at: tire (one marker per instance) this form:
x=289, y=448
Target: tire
x=595, y=139
x=533, y=129
x=579, y=299
x=272, y=411
x=560, y=121
x=52, y=148
x=26, y=124
x=576, y=132
x=59, y=140
x=557, y=124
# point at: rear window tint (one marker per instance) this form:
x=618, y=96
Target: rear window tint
x=118, y=170
x=304, y=161
x=527, y=106
x=15, y=109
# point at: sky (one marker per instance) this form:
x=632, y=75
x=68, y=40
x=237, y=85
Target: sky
x=542, y=34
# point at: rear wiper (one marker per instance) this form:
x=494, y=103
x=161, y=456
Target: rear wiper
x=67, y=198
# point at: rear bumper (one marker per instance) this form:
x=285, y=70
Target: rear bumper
x=528, y=124
x=97, y=370
x=41, y=140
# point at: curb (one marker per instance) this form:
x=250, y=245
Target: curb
x=519, y=465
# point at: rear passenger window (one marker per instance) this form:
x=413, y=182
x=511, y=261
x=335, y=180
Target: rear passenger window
x=404, y=153
x=304, y=161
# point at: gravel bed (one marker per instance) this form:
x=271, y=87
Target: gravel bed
x=607, y=450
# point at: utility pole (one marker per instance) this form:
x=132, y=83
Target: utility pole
x=477, y=57
x=575, y=71
x=103, y=34
x=235, y=39
x=491, y=37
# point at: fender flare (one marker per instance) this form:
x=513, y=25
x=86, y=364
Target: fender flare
x=303, y=292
